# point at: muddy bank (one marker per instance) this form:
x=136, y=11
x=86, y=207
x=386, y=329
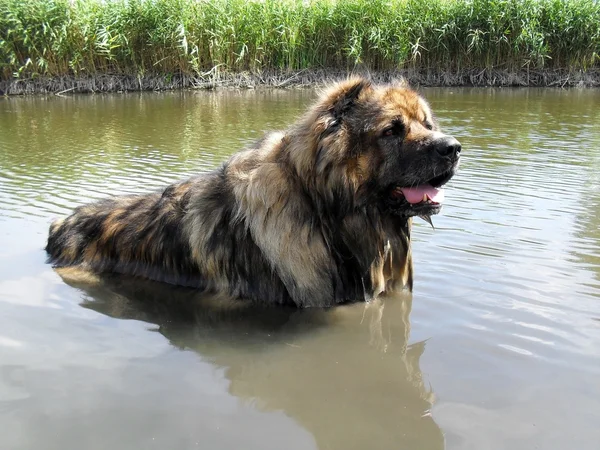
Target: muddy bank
x=127, y=83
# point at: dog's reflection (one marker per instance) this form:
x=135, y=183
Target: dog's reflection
x=346, y=374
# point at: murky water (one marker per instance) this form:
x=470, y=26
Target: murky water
x=498, y=347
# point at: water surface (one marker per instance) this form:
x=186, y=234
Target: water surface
x=498, y=347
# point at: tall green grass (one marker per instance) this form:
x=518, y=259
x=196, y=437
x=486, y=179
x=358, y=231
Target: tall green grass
x=201, y=37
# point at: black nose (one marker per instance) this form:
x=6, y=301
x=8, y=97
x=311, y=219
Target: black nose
x=447, y=146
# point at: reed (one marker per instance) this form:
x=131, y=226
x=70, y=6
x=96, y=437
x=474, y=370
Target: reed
x=210, y=39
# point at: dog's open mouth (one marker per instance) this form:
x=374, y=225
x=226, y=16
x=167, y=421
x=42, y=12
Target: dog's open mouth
x=424, y=193
x=426, y=198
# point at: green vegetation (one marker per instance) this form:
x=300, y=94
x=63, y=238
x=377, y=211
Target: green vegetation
x=205, y=38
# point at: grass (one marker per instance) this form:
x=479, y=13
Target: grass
x=210, y=38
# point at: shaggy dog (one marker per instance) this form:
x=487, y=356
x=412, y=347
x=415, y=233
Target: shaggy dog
x=317, y=215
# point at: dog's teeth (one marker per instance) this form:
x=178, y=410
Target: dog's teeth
x=424, y=197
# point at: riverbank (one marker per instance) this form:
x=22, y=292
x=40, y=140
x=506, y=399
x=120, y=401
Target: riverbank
x=124, y=83
x=117, y=45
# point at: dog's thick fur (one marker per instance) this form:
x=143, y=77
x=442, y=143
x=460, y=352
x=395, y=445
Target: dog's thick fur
x=305, y=217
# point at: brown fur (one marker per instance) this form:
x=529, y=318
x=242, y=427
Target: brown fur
x=303, y=217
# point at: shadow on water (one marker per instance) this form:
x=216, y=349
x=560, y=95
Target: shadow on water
x=347, y=375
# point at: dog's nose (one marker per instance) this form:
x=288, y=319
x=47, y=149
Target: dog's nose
x=447, y=146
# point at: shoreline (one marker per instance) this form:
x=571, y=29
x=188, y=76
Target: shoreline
x=104, y=83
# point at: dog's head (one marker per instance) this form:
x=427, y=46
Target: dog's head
x=381, y=143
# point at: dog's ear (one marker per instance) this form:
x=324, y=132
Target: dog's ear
x=400, y=82
x=341, y=97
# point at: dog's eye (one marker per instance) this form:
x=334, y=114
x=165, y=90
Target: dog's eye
x=393, y=130
x=428, y=125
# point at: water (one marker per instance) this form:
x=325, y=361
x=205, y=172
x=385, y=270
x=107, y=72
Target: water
x=498, y=347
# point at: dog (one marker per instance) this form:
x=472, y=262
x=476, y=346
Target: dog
x=314, y=216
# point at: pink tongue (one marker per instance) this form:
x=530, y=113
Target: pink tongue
x=415, y=194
